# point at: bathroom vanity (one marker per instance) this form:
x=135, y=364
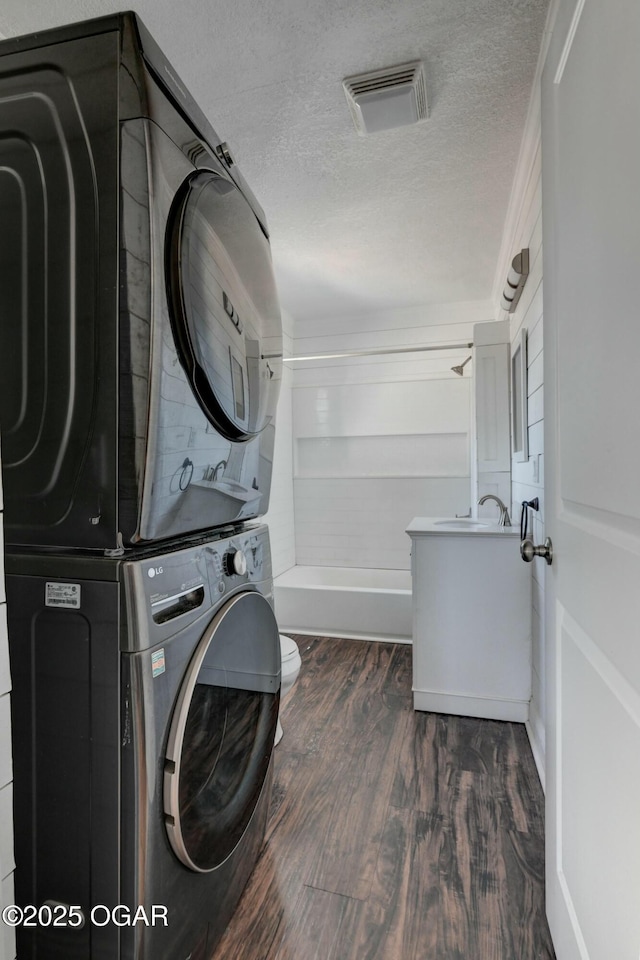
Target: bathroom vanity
x=471, y=599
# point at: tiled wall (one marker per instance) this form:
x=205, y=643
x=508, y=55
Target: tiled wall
x=7, y=937
x=528, y=477
x=379, y=440
x=280, y=516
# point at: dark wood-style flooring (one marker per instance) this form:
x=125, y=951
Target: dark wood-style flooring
x=393, y=835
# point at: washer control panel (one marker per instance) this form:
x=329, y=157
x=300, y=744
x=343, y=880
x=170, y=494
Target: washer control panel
x=166, y=591
x=244, y=558
x=235, y=562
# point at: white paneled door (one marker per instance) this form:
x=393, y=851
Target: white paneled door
x=591, y=217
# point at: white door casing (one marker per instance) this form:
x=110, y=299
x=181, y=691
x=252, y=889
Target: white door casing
x=591, y=223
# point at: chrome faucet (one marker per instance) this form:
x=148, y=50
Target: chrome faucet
x=211, y=473
x=505, y=519
x=219, y=466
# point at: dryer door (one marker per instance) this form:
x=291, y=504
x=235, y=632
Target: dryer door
x=223, y=303
x=222, y=733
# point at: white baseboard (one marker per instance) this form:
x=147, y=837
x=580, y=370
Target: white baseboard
x=463, y=706
x=535, y=732
x=344, y=635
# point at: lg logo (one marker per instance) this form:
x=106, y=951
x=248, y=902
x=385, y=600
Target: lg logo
x=154, y=571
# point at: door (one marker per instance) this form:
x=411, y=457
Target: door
x=591, y=216
x=223, y=304
x=222, y=733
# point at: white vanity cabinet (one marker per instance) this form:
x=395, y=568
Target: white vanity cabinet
x=471, y=596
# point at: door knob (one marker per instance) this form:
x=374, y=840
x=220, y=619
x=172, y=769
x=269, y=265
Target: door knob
x=528, y=551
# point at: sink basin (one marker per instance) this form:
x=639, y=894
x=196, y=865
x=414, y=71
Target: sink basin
x=461, y=524
x=224, y=488
x=232, y=488
x=214, y=502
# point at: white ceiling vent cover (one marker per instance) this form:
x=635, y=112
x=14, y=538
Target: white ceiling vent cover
x=389, y=98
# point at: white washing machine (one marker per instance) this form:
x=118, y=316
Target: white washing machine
x=145, y=702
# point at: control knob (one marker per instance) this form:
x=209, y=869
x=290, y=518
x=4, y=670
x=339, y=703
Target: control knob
x=235, y=562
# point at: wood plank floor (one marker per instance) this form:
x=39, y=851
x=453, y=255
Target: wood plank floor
x=393, y=835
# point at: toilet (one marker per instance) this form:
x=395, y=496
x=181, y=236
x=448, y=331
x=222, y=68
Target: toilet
x=290, y=669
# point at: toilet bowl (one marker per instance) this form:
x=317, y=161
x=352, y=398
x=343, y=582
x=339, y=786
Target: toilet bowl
x=290, y=669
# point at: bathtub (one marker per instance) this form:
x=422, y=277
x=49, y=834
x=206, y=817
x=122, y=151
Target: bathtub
x=351, y=602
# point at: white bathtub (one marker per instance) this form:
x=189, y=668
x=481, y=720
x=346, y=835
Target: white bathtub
x=351, y=602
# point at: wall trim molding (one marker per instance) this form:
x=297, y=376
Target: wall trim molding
x=348, y=635
x=568, y=43
x=529, y=147
x=532, y=727
x=517, y=711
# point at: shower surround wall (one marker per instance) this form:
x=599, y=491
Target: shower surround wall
x=280, y=514
x=379, y=439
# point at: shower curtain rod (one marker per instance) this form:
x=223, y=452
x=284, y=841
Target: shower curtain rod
x=378, y=351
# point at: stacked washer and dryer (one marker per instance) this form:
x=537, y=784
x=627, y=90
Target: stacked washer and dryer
x=140, y=353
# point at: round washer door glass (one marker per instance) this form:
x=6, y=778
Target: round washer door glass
x=222, y=732
x=223, y=304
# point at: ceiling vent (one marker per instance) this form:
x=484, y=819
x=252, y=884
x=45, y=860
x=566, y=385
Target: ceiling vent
x=389, y=98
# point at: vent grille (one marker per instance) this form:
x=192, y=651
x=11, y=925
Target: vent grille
x=387, y=98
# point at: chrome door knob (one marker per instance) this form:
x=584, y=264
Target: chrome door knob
x=528, y=550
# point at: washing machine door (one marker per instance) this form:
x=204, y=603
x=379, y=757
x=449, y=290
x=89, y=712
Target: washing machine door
x=222, y=732
x=223, y=304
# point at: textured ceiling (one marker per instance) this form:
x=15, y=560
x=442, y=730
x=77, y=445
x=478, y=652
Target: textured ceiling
x=402, y=218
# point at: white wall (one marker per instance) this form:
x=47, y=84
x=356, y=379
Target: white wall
x=528, y=477
x=280, y=515
x=379, y=439
x=7, y=936
x=491, y=466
